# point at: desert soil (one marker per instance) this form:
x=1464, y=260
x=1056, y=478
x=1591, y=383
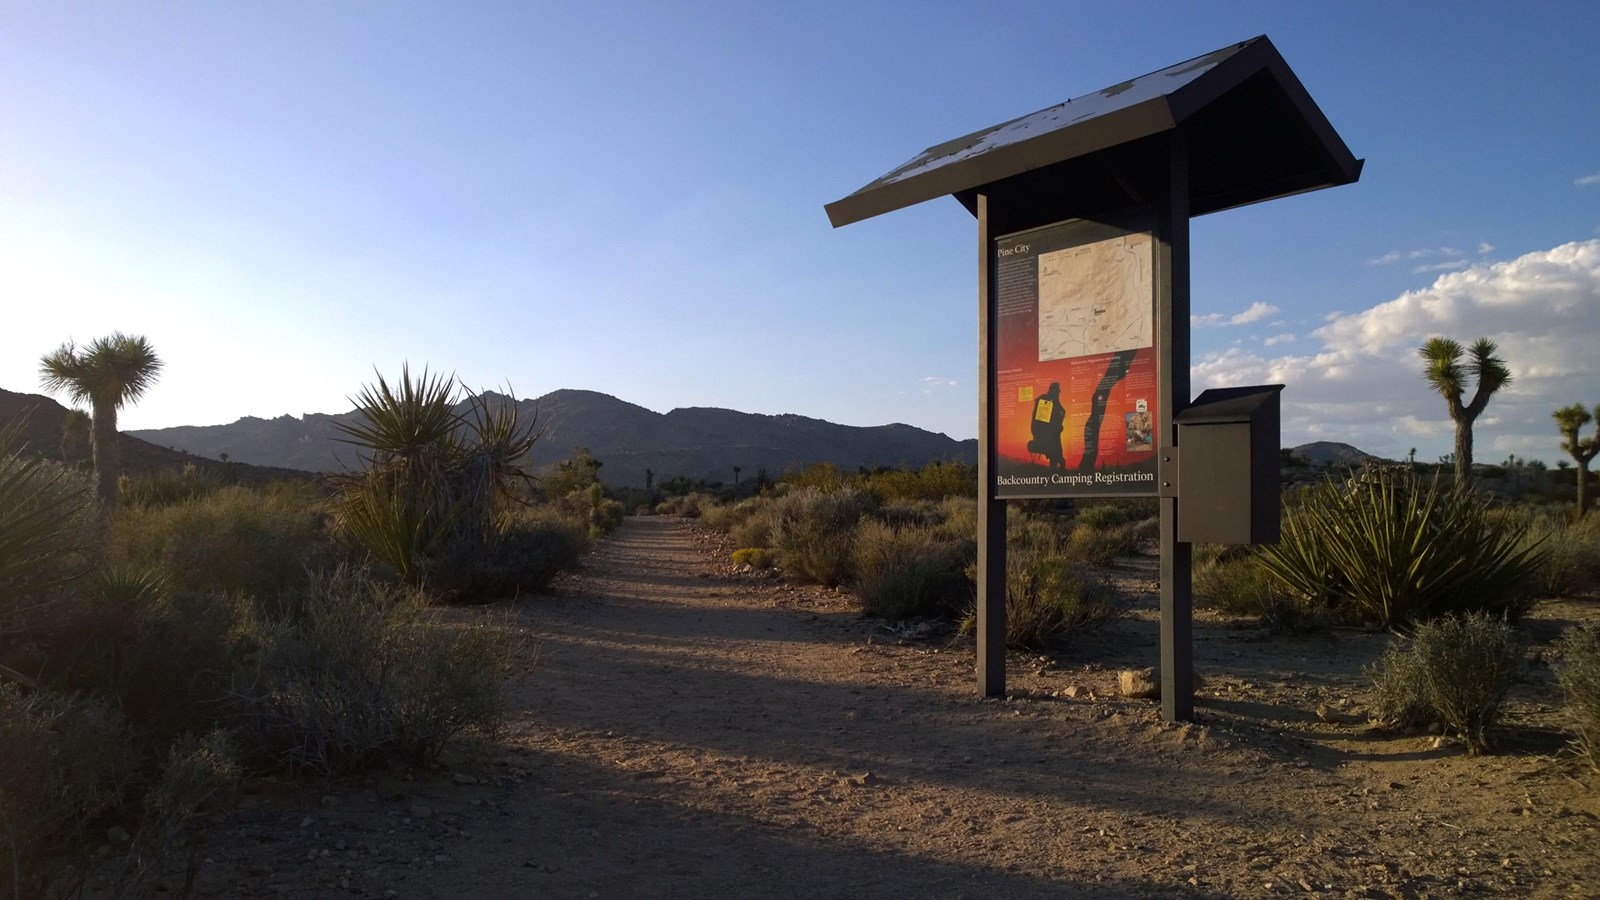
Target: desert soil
x=688, y=731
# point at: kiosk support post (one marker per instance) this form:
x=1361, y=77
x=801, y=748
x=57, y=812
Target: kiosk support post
x=991, y=512
x=1172, y=298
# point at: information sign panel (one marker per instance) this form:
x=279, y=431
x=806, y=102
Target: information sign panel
x=1075, y=380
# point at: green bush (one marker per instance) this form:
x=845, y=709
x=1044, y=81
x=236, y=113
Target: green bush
x=1100, y=546
x=366, y=673
x=164, y=655
x=1237, y=583
x=232, y=541
x=755, y=524
x=813, y=529
x=1572, y=563
x=1578, y=672
x=68, y=760
x=1109, y=514
x=910, y=571
x=1047, y=594
x=934, y=481
x=686, y=505
x=1386, y=548
x=1456, y=669
x=521, y=556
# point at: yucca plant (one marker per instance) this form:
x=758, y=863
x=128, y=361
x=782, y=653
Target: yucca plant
x=436, y=477
x=1386, y=548
x=46, y=524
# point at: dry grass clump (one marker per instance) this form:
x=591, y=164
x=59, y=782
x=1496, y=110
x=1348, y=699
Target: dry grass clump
x=1578, y=672
x=68, y=760
x=909, y=570
x=1456, y=670
x=233, y=540
x=365, y=673
x=814, y=530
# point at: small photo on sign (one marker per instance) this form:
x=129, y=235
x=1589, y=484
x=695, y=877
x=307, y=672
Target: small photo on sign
x=1141, y=432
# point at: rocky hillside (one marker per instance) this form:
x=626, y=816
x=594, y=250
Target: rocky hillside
x=1325, y=454
x=42, y=429
x=696, y=442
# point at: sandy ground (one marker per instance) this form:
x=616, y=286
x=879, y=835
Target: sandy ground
x=690, y=732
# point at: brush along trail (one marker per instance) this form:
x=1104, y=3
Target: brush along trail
x=683, y=729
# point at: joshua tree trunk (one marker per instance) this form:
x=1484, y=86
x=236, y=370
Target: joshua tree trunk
x=1463, y=451
x=103, y=445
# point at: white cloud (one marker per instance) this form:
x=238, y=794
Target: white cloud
x=1587, y=180
x=1442, y=267
x=1255, y=313
x=932, y=382
x=1449, y=253
x=1364, y=385
x=1277, y=339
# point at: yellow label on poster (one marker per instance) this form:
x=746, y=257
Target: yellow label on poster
x=1044, y=411
x=1025, y=394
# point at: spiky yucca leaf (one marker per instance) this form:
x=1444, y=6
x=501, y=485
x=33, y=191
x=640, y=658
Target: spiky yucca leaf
x=1386, y=549
x=44, y=519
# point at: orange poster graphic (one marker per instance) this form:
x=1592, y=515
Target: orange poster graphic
x=1075, y=364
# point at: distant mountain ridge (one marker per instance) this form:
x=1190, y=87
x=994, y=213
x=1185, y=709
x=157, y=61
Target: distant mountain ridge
x=42, y=420
x=697, y=442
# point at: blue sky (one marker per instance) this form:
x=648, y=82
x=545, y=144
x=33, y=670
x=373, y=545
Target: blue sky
x=285, y=197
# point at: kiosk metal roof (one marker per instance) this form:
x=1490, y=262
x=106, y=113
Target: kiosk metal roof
x=1253, y=133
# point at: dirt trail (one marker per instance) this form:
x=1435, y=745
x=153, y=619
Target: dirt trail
x=693, y=733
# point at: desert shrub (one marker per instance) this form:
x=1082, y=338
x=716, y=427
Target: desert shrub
x=1572, y=552
x=164, y=655
x=196, y=773
x=957, y=517
x=756, y=523
x=67, y=761
x=687, y=505
x=1234, y=584
x=1099, y=546
x=168, y=486
x=908, y=513
x=909, y=571
x=1578, y=672
x=813, y=529
x=232, y=541
x=366, y=673
x=1237, y=583
x=1388, y=548
x=933, y=482
x=1047, y=594
x=1458, y=668
x=522, y=555
x=755, y=557
x=1400, y=689
x=1112, y=513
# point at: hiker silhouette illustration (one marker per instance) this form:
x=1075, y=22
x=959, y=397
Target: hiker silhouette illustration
x=1048, y=419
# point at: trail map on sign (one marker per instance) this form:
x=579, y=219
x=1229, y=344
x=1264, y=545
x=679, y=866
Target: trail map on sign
x=1095, y=298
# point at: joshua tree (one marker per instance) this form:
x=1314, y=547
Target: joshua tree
x=1569, y=419
x=736, y=471
x=649, y=479
x=107, y=373
x=1447, y=373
